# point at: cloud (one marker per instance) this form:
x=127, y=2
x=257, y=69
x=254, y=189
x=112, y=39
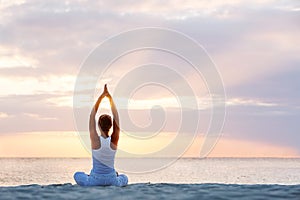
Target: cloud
x=254, y=44
x=78, y=35
x=34, y=113
x=280, y=88
x=171, y=9
x=13, y=62
x=3, y=115
x=35, y=85
x=249, y=102
x=38, y=117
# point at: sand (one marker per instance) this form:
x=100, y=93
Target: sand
x=152, y=191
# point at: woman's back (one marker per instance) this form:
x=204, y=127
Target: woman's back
x=104, y=157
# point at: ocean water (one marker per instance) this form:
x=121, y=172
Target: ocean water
x=22, y=171
x=217, y=178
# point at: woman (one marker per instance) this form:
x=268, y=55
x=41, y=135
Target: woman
x=103, y=148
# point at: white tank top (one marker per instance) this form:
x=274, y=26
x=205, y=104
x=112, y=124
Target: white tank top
x=105, y=154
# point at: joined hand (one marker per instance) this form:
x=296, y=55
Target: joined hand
x=105, y=92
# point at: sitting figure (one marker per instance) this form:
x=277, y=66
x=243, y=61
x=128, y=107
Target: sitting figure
x=104, y=149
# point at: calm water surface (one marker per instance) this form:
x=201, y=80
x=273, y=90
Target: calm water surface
x=44, y=171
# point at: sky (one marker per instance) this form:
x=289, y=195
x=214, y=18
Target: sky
x=254, y=44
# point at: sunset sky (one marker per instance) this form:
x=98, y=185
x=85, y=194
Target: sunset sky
x=254, y=44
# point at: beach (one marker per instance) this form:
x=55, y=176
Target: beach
x=187, y=178
x=152, y=191
x=188, y=99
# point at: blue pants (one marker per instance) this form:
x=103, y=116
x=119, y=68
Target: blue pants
x=100, y=179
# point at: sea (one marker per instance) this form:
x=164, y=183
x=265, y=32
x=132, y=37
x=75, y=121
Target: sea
x=185, y=178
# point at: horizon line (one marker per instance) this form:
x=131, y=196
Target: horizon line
x=213, y=157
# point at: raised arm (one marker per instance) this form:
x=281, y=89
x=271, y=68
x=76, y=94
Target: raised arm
x=95, y=141
x=116, y=126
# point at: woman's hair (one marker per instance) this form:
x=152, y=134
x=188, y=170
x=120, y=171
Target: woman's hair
x=105, y=123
